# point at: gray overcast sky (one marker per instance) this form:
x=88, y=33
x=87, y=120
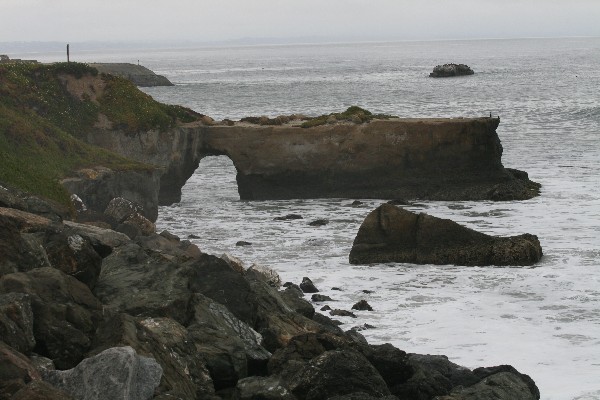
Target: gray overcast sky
x=219, y=20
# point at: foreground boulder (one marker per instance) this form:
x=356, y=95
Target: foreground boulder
x=118, y=373
x=392, y=234
x=448, y=70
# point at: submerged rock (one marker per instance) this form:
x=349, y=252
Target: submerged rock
x=392, y=234
x=447, y=70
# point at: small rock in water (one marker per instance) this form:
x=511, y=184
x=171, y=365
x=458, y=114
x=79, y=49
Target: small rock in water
x=336, y=288
x=320, y=297
x=319, y=222
x=448, y=70
x=362, y=306
x=399, y=202
x=368, y=291
x=342, y=313
x=292, y=285
x=308, y=286
x=288, y=217
x=325, y=308
x=356, y=203
x=243, y=243
x=192, y=236
x=363, y=327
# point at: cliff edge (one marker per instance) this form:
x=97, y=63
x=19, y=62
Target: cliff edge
x=138, y=74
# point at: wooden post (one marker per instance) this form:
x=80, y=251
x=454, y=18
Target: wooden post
x=68, y=60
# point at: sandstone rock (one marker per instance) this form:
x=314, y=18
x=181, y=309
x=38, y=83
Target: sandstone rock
x=447, y=70
x=308, y=286
x=392, y=234
x=102, y=240
x=116, y=373
x=137, y=220
x=269, y=275
x=16, y=321
x=233, y=262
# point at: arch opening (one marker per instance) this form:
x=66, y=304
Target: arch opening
x=215, y=178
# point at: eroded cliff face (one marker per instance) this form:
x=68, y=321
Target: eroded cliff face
x=438, y=159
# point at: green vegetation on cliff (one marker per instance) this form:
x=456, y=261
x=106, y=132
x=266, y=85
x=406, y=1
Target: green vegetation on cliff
x=45, y=110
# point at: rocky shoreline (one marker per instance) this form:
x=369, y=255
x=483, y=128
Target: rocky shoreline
x=77, y=299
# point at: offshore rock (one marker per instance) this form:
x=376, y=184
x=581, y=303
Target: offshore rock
x=118, y=373
x=448, y=70
x=392, y=234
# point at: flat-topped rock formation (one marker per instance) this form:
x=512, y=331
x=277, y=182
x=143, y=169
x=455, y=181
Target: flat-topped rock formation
x=438, y=159
x=392, y=234
x=138, y=74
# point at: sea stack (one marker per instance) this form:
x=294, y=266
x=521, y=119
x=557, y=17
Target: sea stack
x=448, y=70
x=392, y=234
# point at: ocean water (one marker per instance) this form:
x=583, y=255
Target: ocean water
x=543, y=320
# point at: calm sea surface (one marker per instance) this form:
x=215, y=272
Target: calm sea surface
x=544, y=320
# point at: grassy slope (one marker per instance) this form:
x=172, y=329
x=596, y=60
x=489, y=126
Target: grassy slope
x=40, y=122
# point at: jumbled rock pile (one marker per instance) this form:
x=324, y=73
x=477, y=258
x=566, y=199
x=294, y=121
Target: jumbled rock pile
x=83, y=307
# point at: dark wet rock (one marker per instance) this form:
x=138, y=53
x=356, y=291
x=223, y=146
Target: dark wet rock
x=293, y=297
x=288, y=217
x=243, y=243
x=337, y=373
x=262, y=388
x=448, y=70
x=399, y=202
x=423, y=385
x=16, y=321
x=362, y=306
x=192, y=236
x=320, y=298
x=357, y=337
x=499, y=386
x=392, y=234
x=290, y=284
x=232, y=349
x=392, y=364
x=484, y=372
x=337, y=288
x=40, y=390
x=308, y=286
x=363, y=327
x=185, y=374
x=325, y=308
x=328, y=323
x=319, y=222
x=342, y=313
x=362, y=396
x=519, y=187
x=117, y=373
x=356, y=203
x=65, y=313
x=368, y=291
x=74, y=255
x=23, y=201
x=16, y=371
x=456, y=374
